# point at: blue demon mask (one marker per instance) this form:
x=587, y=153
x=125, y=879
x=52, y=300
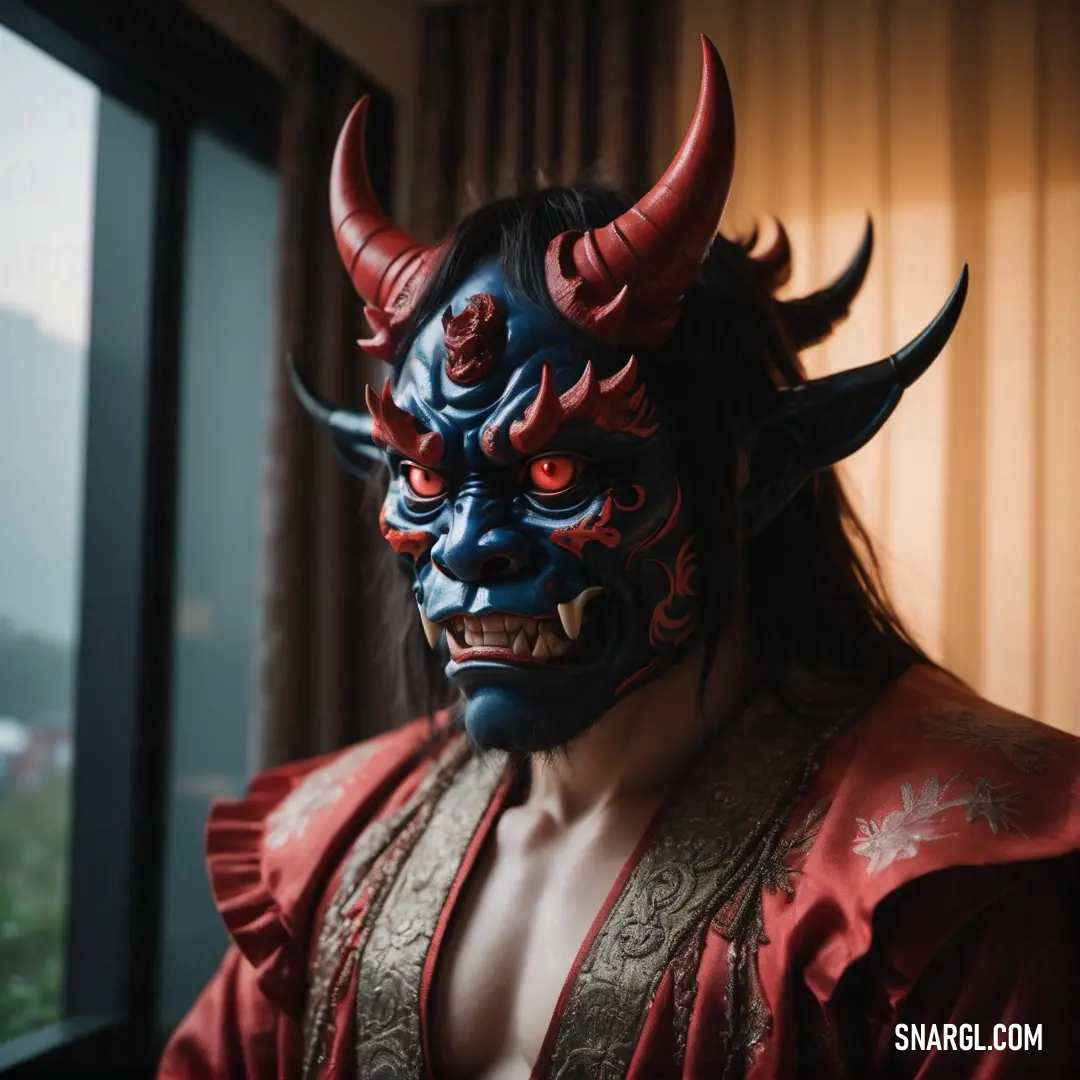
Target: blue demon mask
x=533, y=484
x=536, y=496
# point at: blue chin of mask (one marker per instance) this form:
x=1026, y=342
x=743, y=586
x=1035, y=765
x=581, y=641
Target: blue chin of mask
x=500, y=717
x=523, y=706
x=527, y=708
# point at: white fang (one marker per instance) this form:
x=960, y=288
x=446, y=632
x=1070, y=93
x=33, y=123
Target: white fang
x=570, y=614
x=432, y=631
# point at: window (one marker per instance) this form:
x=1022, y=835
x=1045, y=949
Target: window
x=48, y=143
x=77, y=233
x=137, y=222
x=226, y=357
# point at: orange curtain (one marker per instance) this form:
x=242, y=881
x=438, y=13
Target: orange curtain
x=956, y=124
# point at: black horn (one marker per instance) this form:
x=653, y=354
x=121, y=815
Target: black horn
x=810, y=319
x=350, y=432
x=818, y=423
x=772, y=267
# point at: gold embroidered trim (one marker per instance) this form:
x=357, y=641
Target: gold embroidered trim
x=742, y=924
x=707, y=867
x=720, y=845
x=366, y=874
x=388, y=1036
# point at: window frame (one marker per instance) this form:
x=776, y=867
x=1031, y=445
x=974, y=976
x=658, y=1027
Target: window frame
x=161, y=60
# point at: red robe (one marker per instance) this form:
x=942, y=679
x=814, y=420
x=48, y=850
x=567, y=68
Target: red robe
x=801, y=898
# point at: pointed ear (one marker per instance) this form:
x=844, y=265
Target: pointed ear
x=821, y=422
x=350, y=432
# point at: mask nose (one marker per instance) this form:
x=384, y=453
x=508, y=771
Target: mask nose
x=479, y=545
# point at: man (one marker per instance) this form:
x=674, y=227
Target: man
x=704, y=808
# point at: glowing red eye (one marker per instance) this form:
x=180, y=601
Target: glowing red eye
x=550, y=475
x=424, y=483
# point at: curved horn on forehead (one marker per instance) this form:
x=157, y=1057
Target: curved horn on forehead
x=616, y=404
x=398, y=428
x=622, y=283
x=810, y=319
x=386, y=265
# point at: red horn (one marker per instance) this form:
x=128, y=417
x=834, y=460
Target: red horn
x=386, y=265
x=622, y=283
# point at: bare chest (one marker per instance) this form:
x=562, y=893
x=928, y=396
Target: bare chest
x=512, y=944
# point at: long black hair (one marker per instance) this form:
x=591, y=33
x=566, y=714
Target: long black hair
x=812, y=585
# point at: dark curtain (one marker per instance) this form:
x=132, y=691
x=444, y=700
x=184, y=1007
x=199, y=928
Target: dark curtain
x=317, y=692
x=516, y=93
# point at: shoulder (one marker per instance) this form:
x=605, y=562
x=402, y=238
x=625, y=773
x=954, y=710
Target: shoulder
x=932, y=780
x=269, y=853
x=934, y=774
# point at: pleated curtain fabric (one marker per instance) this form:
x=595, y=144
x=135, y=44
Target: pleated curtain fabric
x=956, y=123
x=315, y=687
x=522, y=93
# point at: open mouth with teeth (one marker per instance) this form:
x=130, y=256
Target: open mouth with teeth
x=513, y=638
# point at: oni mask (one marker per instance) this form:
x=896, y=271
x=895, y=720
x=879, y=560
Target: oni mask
x=535, y=495
x=533, y=485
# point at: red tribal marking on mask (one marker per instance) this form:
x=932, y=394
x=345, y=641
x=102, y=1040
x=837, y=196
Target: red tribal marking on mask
x=653, y=538
x=414, y=544
x=664, y=628
x=616, y=404
x=472, y=337
x=398, y=428
x=596, y=527
x=639, y=496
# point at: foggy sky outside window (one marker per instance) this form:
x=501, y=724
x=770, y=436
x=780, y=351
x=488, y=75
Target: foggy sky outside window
x=48, y=140
x=226, y=358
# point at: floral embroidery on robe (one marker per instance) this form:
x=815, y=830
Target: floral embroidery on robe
x=1017, y=739
x=316, y=793
x=902, y=831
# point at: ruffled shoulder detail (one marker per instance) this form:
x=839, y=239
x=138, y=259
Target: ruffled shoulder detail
x=932, y=778
x=269, y=852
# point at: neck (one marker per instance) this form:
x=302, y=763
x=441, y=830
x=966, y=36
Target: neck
x=641, y=747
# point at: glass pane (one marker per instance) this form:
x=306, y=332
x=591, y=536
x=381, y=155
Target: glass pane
x=48, y=141
x=226, y=358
